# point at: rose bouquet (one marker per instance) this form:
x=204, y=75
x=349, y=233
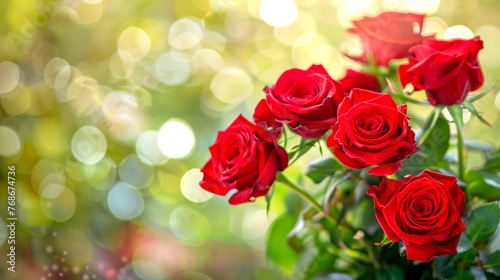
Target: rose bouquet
x=391, y=201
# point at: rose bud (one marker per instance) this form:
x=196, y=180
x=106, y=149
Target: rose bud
x=372, y=131
x=388, y=36
x=447, y=70
x=244, y=157
x=423, y=211
x=305, y=100
x=354, y=79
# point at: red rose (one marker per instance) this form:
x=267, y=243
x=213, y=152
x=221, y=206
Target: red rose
x=263, y=117
x=447, y=70
x=423, y=211
x=306, y=100
x=372, y=131
x=388, y=36
x=354, y=79
x=244, y=157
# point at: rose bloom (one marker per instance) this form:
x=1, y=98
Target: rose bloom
x=422, y=211
x=244, y=157
x=355, y=79
x=372, y=131
x=305, y=100
x=263, y=117
x=447, y=70
x=388, y=36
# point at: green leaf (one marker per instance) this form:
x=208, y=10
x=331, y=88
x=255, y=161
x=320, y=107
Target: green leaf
x=296, y=244
x=445, y=266
x=402, y=249
x=463, y=271
x=417, y=163
x=472, y=109
x=446, y=171
x=430, y=124
x=278, y=251
x=299, y=150
x=390, y=272
x=315, y=258
x=493, y=163
x=263, y=273
x=483, y=221
x=476, y=96
x=332, y=276
x=269, y=196
x=482, y=184
x=364, y=214
x=323, y=261
x=490, y=178
x=464, y=244
x=320, y=168
x=430, y=151
x=338, y=181
x=469, y=256
x=454, y=265
x=436, y=144
x=300, y=223
x=492, y=265
x=463, y=274
x=346, y=185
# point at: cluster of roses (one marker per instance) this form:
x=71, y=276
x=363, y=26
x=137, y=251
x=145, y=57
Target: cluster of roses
x=368, y=130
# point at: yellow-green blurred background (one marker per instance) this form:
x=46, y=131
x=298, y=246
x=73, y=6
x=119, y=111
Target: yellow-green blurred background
x=108, y=108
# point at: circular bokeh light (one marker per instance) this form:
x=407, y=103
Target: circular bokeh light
x=187, y=224
x=9, y=76
x=148, y=150
x=172, y=68
x=278, y=13
x=458, y=32
x=190, y=186
x=133, y=44
x=176, y=139
x=125, y=202
x=231, y=85
x=61, y=207
x=88, y=145
x=9, y=142
x=185, y=34
x=135, y=173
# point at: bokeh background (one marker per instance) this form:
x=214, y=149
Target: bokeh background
x=108, y=108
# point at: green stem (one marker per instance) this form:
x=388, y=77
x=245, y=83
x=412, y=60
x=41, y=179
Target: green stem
x=395, y=80
x=456, y=113
x=357, y=255
x=285, y=137
x=305, y=195
x=380, y=77
x=460, y=147
x=349, y=255
x=371, y=254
